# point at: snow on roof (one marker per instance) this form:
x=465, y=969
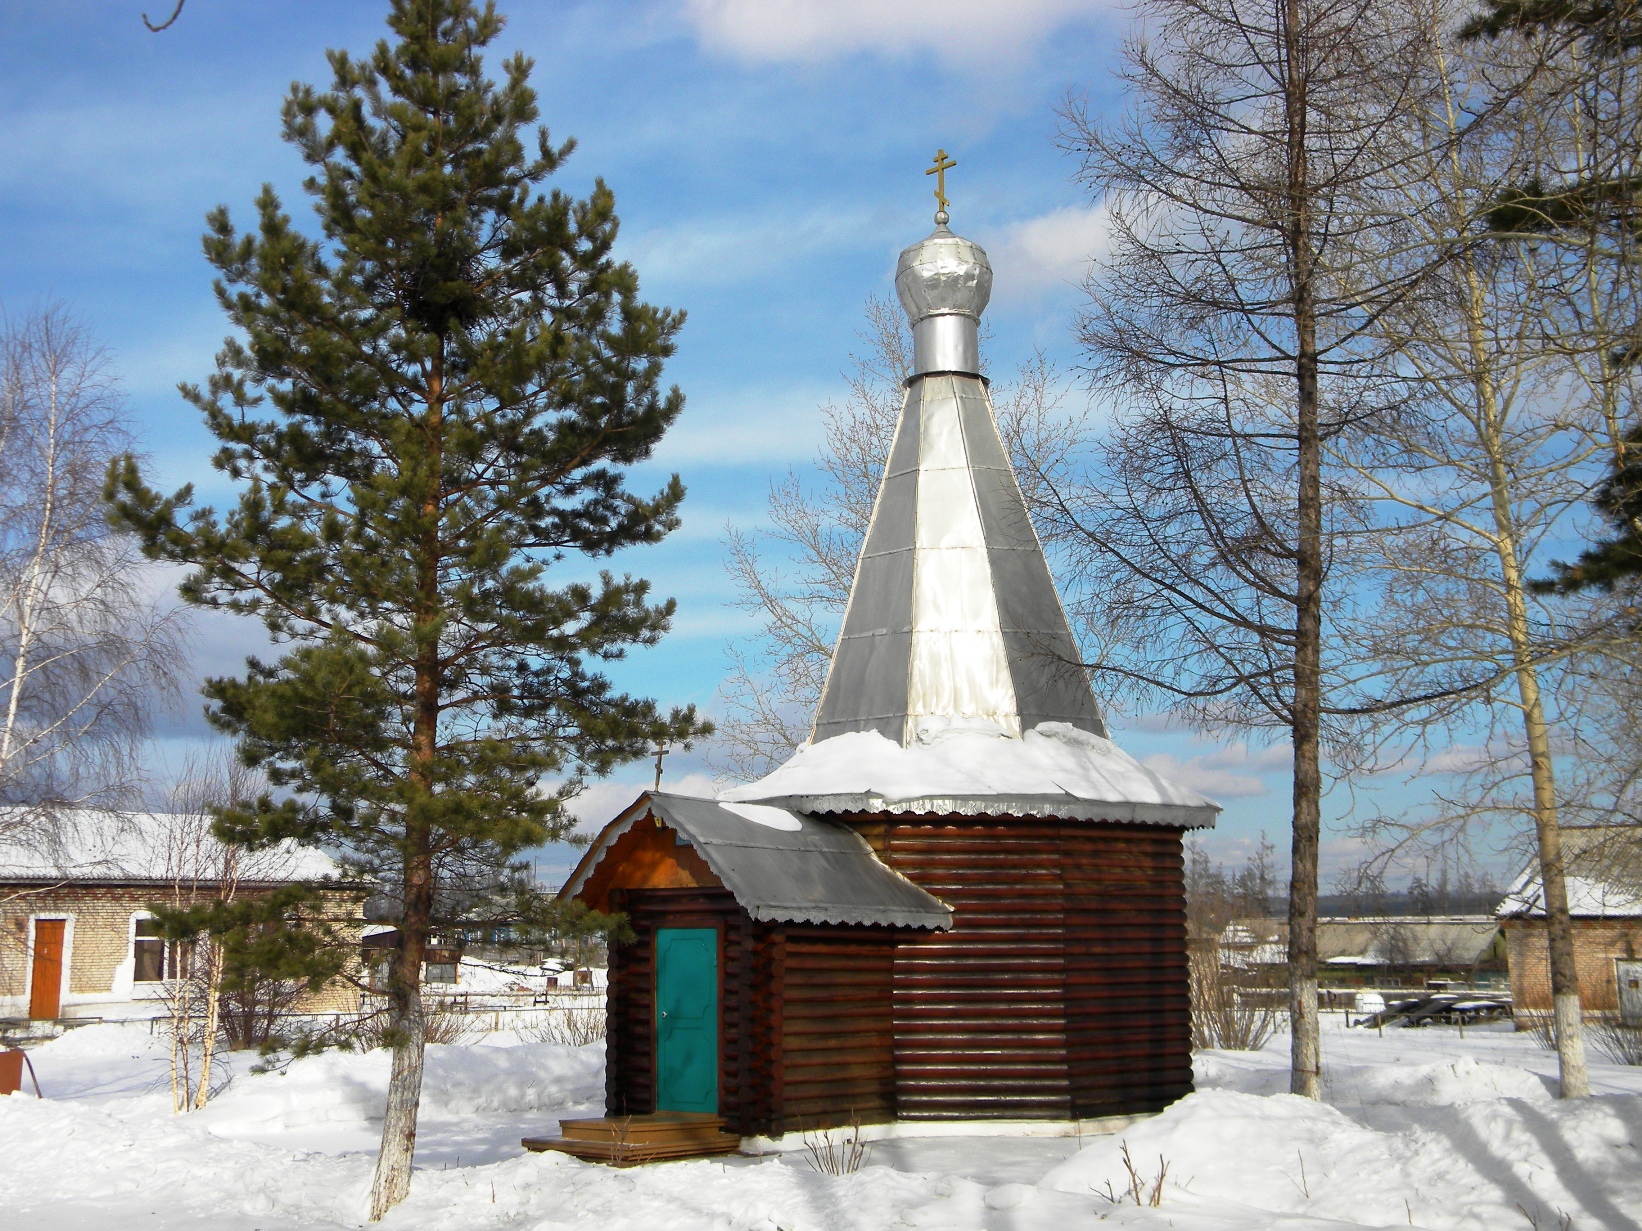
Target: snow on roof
x=1603, y=865
x=1055, y=769
x=88, y=845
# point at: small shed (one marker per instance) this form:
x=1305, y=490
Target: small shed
x=757, y=985
x=1604, y=879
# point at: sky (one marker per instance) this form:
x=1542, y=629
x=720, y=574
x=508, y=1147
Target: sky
x=767, y=161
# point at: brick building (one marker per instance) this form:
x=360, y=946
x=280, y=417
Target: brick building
x=1604, y=875
x=76, y=926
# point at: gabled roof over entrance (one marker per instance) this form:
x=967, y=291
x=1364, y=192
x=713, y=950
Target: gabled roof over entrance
x=781, y=866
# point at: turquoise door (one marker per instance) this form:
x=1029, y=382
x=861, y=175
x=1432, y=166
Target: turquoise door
x=687, y=1019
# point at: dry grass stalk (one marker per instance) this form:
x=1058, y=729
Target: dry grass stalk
x=833, y=1152
x=569, y=1025
x=1145, y=1192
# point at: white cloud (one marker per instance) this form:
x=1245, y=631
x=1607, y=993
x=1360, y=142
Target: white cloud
x=955, y=30
x=749, y=426
x=1197, y=773
x=1041, y=255
x=1229, y=772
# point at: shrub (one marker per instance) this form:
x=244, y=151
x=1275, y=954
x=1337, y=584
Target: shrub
x=1223, y=1014
x=1614, y=1039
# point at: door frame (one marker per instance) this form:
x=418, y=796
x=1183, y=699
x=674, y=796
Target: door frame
x=66, y=918
x=703, y=922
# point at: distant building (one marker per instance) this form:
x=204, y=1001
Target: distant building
x=1604, y=878
x=1380, y=951
x=77, y=937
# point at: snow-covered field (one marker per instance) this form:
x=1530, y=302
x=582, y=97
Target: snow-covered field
x=1420, y=1128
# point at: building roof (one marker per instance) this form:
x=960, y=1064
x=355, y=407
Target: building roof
x=953, y=619
x=781, y=866
x=149, y=847
x=1602, y=869
x=1454, y=942
x=1052, y=770
x=1449, y=941
x=956, y=685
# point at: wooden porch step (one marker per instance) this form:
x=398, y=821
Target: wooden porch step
x=624, y=1141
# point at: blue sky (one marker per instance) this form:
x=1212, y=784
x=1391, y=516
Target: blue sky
x=767, y=159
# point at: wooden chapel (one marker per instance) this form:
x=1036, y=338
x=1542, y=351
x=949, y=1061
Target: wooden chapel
x=960, y=899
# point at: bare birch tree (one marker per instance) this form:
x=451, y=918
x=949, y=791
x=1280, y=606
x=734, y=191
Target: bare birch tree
x=774, y=685
x=201, y=869
x=1238, y=190
x=86, y=648
x=1482, y=464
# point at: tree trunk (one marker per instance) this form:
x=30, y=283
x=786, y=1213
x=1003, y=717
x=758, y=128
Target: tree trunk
x=1304, y=1038
x=213, y=1020
x=1305, y=1052
x=1568, y=1016
x=393, y=1163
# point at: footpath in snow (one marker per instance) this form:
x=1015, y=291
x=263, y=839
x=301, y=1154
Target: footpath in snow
x=1420, y=1128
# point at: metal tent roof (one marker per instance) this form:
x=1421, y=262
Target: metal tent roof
x=956, y=685
x=781, y=866
x=953, y=616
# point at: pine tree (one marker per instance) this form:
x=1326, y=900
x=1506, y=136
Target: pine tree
x=458, y=372
x=1592, y=201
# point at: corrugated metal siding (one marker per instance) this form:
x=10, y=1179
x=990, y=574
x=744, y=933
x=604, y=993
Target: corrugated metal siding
x=1061, y=988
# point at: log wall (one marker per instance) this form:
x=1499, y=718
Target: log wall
x=804, y=1016
x=1061, y=989
x=836, y=1042
x=1060, y=992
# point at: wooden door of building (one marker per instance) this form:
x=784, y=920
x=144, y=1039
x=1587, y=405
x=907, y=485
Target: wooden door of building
x=46, y=985
x=687, y=1019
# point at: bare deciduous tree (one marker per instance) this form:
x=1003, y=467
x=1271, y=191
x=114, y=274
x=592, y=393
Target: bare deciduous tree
x=199, y=868
x=1513, y=406
x=1238, y=191
x=86, y=648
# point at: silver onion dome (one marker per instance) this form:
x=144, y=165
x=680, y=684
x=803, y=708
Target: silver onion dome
x=944, y=282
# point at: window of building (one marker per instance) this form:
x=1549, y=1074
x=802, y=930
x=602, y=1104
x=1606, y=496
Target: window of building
x=149, y=951
x=441, y=972
x=157, y=959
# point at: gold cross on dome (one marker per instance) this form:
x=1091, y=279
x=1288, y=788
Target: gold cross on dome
x=943, y=164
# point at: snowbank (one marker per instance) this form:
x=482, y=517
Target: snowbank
x=1419, y=1128
x=340, y=1087
x=1468, y=1169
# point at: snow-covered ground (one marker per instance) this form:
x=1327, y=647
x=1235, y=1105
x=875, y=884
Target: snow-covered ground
x=1420, y=1128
